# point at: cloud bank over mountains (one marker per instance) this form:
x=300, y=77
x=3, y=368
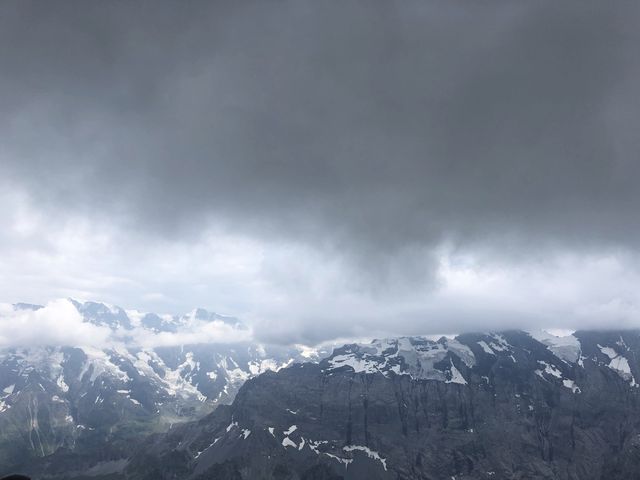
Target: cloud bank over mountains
x=325, y=170
x=58, y=323
x=65, y=322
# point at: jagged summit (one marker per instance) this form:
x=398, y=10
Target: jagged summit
x=115, y=317
x=207, y=316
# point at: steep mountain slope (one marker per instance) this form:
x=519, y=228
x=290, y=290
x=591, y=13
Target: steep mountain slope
x=90, y=403
x=481, y=406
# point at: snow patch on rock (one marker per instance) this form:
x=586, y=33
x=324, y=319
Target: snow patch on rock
x=412, y=356
x=370, y=453
x=566, y=348
x=619, y=364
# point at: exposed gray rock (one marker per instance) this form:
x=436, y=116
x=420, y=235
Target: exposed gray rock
x=482, y=406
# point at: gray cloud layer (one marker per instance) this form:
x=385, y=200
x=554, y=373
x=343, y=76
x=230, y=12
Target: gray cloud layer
x=371, y=131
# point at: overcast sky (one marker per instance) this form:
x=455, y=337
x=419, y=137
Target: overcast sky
x=325, y=169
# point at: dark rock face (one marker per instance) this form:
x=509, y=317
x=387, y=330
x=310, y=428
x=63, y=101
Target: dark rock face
x=482, y=406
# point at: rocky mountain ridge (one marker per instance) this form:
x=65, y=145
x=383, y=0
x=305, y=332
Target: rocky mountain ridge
x=480, y=406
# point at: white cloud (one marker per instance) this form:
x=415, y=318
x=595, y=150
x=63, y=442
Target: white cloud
x=475, y=292
x=201, y=332
x=58, y=323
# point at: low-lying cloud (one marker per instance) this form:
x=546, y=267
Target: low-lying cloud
x=59, y=323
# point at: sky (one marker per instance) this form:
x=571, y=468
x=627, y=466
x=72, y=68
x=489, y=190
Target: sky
x=325, y=170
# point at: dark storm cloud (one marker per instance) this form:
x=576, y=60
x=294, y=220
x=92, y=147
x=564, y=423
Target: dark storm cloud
x=380, y=129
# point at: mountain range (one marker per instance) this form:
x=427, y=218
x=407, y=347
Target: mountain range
x=496, y=405
x=65, y=404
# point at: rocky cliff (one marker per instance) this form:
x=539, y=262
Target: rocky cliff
x=511, y=405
